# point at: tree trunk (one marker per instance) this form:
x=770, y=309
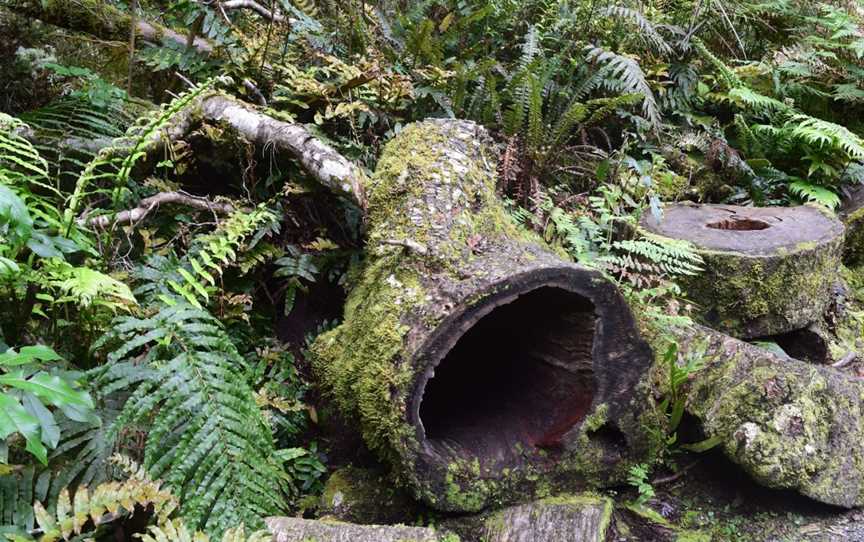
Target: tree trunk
x=477, y=361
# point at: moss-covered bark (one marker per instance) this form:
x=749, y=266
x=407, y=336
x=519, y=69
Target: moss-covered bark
x=442, y=256
x=99, y=19
x=789, y=424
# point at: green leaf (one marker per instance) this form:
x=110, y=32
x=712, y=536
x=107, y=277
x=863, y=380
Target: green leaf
x=49, y=387
x=14, y=418
x=27, y=355
x=703, y=445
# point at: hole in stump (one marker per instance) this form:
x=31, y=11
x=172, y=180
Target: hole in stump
x=518, y=379
x=739, y=224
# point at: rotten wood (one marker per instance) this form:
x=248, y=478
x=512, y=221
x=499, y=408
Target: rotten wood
x=471, y=355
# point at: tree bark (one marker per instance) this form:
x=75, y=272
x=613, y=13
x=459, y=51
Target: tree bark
x=789, y=424
x=306, y=530
x=583, y=519
x=256, y=7
x=477, y=361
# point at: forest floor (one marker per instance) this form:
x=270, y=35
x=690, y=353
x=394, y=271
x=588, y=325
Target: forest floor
x=716, y=498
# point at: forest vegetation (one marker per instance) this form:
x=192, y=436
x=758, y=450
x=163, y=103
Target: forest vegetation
x=166, y=266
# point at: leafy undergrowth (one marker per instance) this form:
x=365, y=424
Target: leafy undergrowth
x=156, y=336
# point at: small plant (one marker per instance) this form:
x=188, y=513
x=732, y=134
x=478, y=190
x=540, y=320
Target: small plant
x=27, y=390
x=637, y=477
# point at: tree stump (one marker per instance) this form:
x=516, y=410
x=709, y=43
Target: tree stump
x=767, y=270
x=476, y=361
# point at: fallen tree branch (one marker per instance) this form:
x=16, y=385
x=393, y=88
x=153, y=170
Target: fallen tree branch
x=147, y=205
x=256, y=7
x=845, y=360
x=322, y=162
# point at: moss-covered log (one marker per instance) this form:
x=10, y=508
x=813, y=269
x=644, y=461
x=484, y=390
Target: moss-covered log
x=100, y=19
x=480, y=364
x=306, y=530
x=767, y=270
x=579, y=518
x=789, y=424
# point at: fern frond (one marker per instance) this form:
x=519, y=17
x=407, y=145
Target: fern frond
x=822, y=134
x=208, y=439
x=626, y=75
x=814, y=193
x=647, y=30
x=103, y=503
x=114, y=164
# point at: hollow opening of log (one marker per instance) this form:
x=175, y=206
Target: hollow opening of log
x=802, y=344
x=739, y=224
x=515, y=382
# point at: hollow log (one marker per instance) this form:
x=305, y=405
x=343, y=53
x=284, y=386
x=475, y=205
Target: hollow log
x=479, y=363
x=768, y=270
x=789, y=424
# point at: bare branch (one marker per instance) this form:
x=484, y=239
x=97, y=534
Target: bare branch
x=256, y=7
x=322, y=162
x=131, y=216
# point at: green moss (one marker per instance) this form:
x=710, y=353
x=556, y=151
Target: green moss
x=693, y=536
x=854, y=247
x=357, y=361
x=756, y=296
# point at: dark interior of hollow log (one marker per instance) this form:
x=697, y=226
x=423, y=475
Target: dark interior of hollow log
x=515, y=382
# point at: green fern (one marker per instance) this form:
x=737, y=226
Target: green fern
x=212, y=252
x=114, y=164
x=814, y=193
x=625, y=75
x=207, y=439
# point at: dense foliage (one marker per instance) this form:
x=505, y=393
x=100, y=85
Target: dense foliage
x=155, y=337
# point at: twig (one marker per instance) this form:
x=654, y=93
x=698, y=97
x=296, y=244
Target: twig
x=132, y=216
x=675, y=476
x=845, y=360
x=274, y=15
x=254, y=92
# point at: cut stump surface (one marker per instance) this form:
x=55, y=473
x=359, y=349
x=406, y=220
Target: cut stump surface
x=767, y=270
